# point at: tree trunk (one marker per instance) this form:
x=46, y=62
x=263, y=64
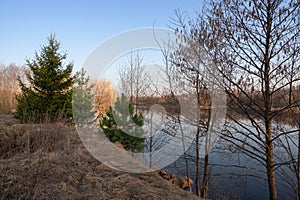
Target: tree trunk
x=198, y=189
x=204, y=189
x=268, y=107
x=270, y=163
x=197, y=179
x=151, y=139
x=185, y=155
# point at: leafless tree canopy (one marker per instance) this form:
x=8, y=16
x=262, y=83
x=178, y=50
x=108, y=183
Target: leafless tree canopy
x=9, y=86
x=256, y=47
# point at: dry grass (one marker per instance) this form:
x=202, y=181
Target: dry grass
x=48, y=161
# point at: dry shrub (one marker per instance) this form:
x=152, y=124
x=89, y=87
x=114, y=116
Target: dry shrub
x=29, y=138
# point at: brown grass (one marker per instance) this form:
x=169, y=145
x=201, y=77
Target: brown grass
x=48, y=161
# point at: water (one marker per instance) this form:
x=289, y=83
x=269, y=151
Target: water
x=230, y=179
x=233, y=174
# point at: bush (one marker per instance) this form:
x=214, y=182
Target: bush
x=122, y=125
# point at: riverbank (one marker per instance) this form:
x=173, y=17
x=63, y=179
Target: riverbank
x=49, y=161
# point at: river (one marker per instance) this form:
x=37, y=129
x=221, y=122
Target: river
x=233, y=174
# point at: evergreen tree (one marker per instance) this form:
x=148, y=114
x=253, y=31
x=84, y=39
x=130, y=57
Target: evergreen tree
x=83, y=110
x=121, y=124
x=48, y=93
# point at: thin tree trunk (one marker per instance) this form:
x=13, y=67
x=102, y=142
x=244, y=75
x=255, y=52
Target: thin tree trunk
x=268, y=108
x=151, y=139
x=185, y=155
x=197, y=179
x=198, y=189
x=270, y=163
x=204, y=189
x=269, y=143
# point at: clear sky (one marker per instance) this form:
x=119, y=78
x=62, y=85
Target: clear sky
x=79, y=25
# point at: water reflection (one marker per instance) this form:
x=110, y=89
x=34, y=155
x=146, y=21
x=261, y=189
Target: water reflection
x=232, y=173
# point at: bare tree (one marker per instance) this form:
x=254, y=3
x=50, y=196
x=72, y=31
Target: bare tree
x=135, y=82
x=187, y=77
x=173, y=88
x=193, y=65
x=254, y=44
x=188, y=65
x=104, y=97
x=9, y=86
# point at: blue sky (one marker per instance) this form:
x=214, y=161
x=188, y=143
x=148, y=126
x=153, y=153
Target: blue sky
x=79, y=25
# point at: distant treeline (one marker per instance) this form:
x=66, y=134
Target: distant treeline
x=171, y=104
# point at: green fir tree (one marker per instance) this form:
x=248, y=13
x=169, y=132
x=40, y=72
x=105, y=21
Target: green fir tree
x=83, y=110
x=47, y=95
x=121, y=124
